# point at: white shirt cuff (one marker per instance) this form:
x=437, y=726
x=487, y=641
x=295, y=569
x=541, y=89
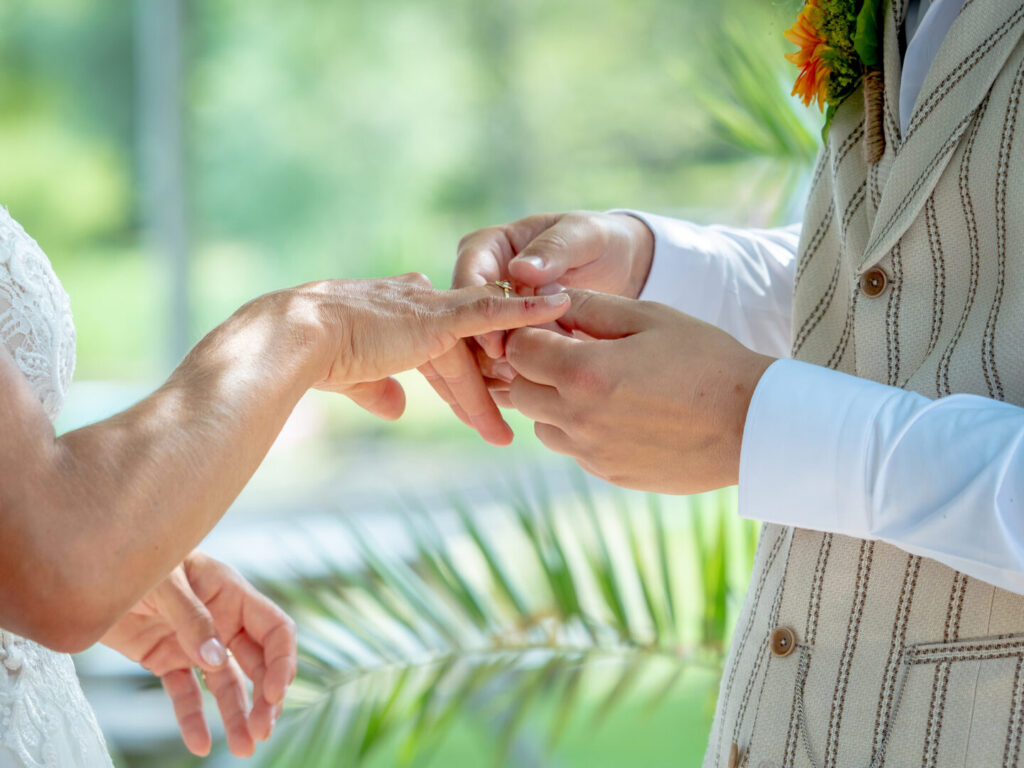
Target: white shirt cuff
x=684, y=287
x=804, y=456
x=938, y=478
x=740, y=280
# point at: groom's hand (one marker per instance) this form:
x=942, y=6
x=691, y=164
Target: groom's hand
x=653, y=399
x=539, y=254
x=606, y=252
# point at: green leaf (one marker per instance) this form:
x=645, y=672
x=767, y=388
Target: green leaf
x=433, y=550
x=495, y=564
x=655, y=612
x=567, y=705
x=830, y=113
x=868, y=39
x=657, y=512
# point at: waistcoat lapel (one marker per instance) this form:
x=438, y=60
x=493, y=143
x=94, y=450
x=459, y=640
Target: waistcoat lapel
x=971, y=56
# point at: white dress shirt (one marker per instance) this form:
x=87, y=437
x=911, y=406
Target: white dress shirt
x=827, y=451
x=927, y=23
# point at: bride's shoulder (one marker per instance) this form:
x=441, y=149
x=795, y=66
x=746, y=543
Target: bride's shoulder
x=14, y=240
x=36, y=323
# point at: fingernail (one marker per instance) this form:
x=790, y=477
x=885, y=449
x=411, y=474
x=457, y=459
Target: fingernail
x=550, y=289
x=213, y=652
x=557, y=299
x=504, y=371
x=534, y=261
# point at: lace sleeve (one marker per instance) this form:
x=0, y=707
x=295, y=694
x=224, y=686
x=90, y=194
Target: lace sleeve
x=35, y=316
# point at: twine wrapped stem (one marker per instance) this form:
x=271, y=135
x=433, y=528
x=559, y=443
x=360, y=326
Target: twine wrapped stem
x=874, y=128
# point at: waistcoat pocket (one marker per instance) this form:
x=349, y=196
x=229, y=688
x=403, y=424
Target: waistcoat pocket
x=957, y=703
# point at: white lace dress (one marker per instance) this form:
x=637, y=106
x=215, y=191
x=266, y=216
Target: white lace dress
x=45, y=721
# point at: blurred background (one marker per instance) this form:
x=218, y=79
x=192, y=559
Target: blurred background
x=459, y=604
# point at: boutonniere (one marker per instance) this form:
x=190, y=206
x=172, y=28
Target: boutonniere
x=840, y=49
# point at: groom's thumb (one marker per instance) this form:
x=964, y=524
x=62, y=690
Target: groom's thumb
x=603, y=316
x=192, y=623
x=548, y=257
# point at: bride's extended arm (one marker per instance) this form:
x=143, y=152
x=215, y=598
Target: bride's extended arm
x=93, y=519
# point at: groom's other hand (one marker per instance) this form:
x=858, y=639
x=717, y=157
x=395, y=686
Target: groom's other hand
x=604, y=252
x=641, y=395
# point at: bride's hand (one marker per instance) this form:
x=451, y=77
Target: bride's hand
x=377, y=328
x=185, y=623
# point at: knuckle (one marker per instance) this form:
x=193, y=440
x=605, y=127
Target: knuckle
x=579, y=216
x=515, y=400
x=554, y=240
x=488, y=306
x=515, y=347
x=156, y=659
x=469, y=237
x=651, y=307
x=545, y=434
x=605, y=469
x=478, y=235
x=574, y=420
x=602, y=225
x=192, y=609
x=290, y=628
x=588, y=466
x=588, y=223
x=604, y=455
x=521, y=400
x=417, y=278
x=588, y=377
x=582, y=301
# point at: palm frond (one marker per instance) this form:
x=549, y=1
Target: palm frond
x=744, y=91
x=499, y=611
x=748, y=94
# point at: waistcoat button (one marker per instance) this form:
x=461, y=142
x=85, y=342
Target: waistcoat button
x=734, y=756
x=783, y=641
x=873, y=282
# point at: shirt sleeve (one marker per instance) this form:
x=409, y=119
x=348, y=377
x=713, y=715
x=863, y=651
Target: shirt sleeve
x=740, y=280
x=939, y=478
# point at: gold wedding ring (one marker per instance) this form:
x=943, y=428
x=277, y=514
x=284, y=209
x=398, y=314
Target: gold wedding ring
x=505, y=286
x=202, y=675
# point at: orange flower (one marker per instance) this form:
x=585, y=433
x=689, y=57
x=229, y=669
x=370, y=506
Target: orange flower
x=812, y=82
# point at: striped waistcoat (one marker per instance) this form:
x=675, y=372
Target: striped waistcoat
x=899, y=660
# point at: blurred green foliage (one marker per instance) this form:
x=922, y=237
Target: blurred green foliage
x=365, y=137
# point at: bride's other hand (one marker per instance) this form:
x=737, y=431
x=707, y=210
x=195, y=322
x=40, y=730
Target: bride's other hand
x=186, y=623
